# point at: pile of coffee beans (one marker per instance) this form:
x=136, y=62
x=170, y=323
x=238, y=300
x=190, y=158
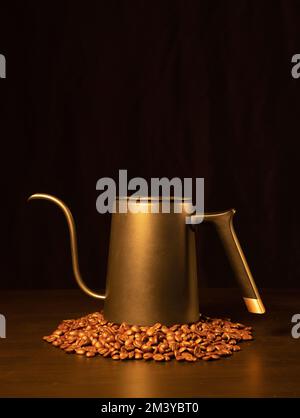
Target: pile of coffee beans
x=207, y=339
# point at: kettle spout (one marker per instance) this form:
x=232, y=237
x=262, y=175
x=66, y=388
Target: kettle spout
x=73, y=240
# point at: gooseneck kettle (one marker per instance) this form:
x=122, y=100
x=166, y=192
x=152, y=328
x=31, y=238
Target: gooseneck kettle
x=152, y=271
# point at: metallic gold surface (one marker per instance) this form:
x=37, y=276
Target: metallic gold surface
x=254, y=305
x=223, y=222
x=152, y=272
x=73, y=240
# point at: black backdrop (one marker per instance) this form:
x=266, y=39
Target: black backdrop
x=161, y=88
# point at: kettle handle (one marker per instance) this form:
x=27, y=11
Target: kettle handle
x=224, y=225
x=73, y=241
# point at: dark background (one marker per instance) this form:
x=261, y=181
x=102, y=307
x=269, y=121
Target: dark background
x=161, y=88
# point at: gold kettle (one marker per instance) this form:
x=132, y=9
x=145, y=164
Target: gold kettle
x=152, y=271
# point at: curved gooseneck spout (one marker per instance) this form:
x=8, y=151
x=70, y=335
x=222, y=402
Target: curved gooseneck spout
x=73, y=241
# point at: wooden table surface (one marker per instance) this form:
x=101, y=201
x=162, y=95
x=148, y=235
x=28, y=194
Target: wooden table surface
x=269, y=366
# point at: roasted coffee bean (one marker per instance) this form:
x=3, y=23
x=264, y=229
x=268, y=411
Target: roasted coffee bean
x=155, y=350
x=147, y=356
x=188, y=356
x=207, y=339
x=247, y=337
x=80, y=351
x=162, y=348
x=158, y=357
x=236, y=348
x=174, y=346
x=198, y=352
x=138, y=356
x=224, y=352
x=146, y=348
x=123, y=355
x=138, y=343
x=150, y=332
x=51, y=338
x=135, y=328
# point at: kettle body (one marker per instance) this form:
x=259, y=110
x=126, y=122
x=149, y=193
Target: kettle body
x=152, y=268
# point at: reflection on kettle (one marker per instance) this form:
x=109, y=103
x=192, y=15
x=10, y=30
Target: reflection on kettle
x=152, y=272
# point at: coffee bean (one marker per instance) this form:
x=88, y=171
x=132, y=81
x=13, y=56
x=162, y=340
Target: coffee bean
x=165, y=329
x=138, y=356
x=135, y=329
x=147, y=356
x=80, y=351
x=188, y=356
x=174, y=346
x=247, y=337
x=224, y=352
x=158, y=357
x=123, y=355
x=137, y=343
x=198, y=352
x=146, y=348
x=236, y=348
x=161, y=348
x=150, y=332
